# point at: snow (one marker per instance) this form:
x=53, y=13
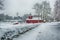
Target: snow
x=9, y=25
x=11, y=30
x=2, y=31
x=48, y=32
x=45, y=31
x=31, y=35
x=34, y=18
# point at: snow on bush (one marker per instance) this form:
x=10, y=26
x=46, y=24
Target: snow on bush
x=15, y=30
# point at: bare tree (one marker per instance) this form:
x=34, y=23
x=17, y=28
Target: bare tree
x=43, y=9
x=57, y=10
x=2, y=17
x=38, y=9
x=1, y=4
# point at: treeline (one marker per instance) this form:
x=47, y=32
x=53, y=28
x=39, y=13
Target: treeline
x=4, y=17
x=7, y=17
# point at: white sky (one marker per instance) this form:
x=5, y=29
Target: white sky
x=22, y=6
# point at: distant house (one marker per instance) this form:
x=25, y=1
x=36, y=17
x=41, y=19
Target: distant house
x=33, y=19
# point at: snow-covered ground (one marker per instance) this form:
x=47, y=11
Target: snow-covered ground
x=10, y=30
x=48, y=32
x=45, y=31
x=11, y=25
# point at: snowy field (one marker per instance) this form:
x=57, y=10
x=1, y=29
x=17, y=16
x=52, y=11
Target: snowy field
x=49, y=31
x=11, y=25
x=8, y=30
x=45, y=31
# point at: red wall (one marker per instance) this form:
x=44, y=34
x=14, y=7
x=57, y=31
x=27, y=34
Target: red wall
x=34, y=21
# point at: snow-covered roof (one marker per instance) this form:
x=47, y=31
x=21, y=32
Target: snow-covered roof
x=34, y=18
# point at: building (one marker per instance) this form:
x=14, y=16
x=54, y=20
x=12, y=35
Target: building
x=33, y=19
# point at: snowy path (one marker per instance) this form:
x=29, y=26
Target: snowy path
x=47, y=31
x=31, y=35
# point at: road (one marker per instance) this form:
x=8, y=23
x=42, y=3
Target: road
x=45, y=31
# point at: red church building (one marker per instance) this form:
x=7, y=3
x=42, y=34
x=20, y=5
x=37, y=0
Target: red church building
x=33, y=19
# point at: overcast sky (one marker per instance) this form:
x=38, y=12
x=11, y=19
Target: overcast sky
x=22, y=6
